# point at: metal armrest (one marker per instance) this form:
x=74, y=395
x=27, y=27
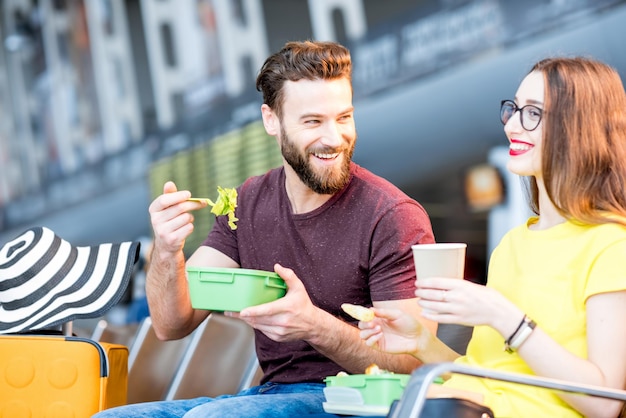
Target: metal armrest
x=414, y=396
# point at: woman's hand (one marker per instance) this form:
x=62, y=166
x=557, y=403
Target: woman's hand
x=454, y=301
x=396, y=332
x=393, y=331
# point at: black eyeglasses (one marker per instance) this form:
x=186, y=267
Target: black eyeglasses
x=530, y=115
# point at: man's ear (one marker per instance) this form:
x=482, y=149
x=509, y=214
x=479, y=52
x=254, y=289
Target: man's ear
x=270, y=120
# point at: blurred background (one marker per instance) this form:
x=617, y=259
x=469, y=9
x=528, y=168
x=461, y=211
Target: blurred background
x=102, y=101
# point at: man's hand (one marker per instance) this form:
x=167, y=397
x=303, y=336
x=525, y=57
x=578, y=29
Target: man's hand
x=170, y=218
x=290, y=318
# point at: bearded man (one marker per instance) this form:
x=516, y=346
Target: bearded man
x=334, y=232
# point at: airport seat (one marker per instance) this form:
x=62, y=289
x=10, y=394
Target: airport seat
x=220, y=359
x=455, y=336
x=104, y=331
x=152, y=363
x=253, y=377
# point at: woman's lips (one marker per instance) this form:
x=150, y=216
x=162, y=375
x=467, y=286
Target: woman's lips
x=517, y=147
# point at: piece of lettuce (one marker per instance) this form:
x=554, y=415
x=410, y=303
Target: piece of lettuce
x=225, y=205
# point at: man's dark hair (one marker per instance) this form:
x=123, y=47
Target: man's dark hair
x=301, y=60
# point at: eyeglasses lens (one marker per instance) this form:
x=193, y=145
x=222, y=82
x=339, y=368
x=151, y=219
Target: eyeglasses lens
x=506, y=111
x=530, y=115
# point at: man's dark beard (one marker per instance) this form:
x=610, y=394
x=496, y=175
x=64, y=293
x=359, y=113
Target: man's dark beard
x=318, y=183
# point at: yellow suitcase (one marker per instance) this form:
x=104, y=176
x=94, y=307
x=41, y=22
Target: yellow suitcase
x=60, y=376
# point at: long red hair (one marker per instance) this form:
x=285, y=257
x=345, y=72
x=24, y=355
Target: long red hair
x=584, y=140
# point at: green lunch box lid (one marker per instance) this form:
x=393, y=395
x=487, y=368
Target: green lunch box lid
x=376, y=389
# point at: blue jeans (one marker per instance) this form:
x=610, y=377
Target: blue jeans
x=270, y=400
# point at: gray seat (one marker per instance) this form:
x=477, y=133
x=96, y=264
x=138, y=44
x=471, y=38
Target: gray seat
x=152, y=363
x=220, y=359
x=104, y=331
x=455, y=336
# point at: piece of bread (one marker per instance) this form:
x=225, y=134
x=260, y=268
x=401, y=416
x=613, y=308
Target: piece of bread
x=358, y=312
x=374, y=369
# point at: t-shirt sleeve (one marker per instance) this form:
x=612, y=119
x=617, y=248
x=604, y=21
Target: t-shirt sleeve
x=223, y=238
x=608, y=273
x=392, y=270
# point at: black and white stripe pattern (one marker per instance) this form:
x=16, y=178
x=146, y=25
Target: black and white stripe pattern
x=45, y=281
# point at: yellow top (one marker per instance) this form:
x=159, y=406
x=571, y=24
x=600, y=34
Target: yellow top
x=548, y=274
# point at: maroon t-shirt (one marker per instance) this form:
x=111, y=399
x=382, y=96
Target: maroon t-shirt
x=356, y=248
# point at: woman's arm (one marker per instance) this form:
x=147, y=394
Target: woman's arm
x=453, y=301
x=605, y=364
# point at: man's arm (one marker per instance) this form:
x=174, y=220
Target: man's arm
x=294, y=317
x=166, y=281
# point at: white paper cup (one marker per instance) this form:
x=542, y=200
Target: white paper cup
x=439, y=260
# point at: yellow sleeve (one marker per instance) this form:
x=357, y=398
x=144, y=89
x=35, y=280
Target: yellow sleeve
x=608, y=273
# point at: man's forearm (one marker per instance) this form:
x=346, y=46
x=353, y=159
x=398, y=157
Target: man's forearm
x=168, y=296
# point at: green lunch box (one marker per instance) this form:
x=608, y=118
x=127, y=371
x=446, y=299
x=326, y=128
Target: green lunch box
x=232, y=289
